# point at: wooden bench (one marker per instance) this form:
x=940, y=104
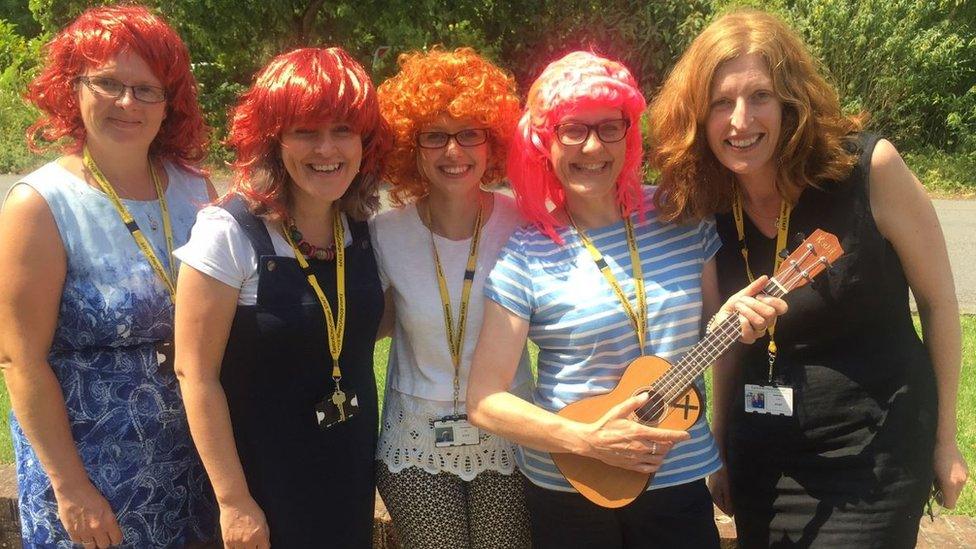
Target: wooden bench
x=946, y=532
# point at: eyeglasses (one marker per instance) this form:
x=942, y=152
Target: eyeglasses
x=471, y=137
x=110, y=87
x=576, y=133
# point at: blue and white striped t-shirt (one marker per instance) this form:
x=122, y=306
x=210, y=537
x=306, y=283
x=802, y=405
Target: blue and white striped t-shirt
x=584, y=336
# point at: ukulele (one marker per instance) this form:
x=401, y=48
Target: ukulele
x=675, y=402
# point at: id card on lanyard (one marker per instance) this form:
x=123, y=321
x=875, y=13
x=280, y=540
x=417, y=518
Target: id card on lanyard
x=342, y=405
x=455, y=429
x=164, y=349
x=773, y=398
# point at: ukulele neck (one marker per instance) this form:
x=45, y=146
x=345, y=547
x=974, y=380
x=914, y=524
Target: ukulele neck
x=706, y=351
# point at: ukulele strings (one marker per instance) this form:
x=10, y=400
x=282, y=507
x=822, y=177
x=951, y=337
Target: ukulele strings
x=668, y=382
x=709, y=349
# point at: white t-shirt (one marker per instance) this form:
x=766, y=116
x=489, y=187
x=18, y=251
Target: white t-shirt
x=219, y=248
x=420, y=363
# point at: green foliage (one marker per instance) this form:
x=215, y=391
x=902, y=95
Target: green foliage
x=911, y=64
x=18, y=14
x=945, y=174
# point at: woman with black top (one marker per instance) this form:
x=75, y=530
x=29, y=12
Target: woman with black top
x=869, y=416
x=279, y=304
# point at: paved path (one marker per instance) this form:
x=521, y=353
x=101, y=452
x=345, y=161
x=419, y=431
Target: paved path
x=958, y=219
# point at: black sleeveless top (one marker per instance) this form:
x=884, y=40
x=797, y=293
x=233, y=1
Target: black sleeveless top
x=858, y=448
x=847, y=345
x=315, y=486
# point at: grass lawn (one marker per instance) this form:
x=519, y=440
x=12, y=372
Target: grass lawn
x=967, y=407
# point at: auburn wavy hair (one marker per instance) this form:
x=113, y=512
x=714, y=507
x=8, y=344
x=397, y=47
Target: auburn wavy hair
x=580, y=80
x=461, y=84
x=810, y=149
x=95, y=37
x=305, y=87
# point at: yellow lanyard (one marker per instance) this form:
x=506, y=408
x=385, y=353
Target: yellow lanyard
x=782, y=227
x=335, y=328
x=167, y=277
x=455, y=338
x=638, y=319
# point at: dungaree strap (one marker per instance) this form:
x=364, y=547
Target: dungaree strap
x=252, y=225
x=360, y=234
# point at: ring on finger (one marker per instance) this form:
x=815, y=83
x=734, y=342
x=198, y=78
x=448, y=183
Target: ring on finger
x=653, y=448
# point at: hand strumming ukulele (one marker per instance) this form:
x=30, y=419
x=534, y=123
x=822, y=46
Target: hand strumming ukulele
x=675, y=402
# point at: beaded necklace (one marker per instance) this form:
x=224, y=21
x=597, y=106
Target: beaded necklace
x=309, y=250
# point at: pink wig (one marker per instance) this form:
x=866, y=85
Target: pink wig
x=574, y=83
x=305, y=87
x=95, y=37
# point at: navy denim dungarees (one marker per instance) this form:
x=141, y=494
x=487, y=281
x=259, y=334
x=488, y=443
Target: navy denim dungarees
x=315, y=486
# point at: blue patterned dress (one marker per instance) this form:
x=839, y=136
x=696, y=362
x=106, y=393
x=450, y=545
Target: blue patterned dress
x=126, y=414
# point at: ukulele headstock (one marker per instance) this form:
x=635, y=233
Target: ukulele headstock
x=809, y=259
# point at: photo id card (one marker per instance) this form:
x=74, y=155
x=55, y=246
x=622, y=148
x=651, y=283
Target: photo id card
x=767, y=399
x=455, y=431
x=336, y=408
x=164, y=356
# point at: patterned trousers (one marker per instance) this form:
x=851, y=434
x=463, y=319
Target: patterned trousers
x=443, y=511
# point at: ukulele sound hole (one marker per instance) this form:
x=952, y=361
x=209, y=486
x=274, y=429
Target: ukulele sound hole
x=652, y=411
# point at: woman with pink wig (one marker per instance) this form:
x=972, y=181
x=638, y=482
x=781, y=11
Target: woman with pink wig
x=103, y=451
x=278, y=308
x=575, y=168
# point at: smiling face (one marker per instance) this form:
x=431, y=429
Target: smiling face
x=590, y=169
x=321, y=160
x=124, y=122
x=453, y=167
x=745, y=118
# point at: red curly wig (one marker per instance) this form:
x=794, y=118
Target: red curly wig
x=305, y=87
x=95, y=37
x=460, y=83
x=810, y=150
x=579, y=80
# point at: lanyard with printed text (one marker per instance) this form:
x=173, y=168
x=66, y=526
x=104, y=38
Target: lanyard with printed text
x=782, y=227
x=638, y=319
x=167, y=277
x=334, y=328
x=455, y=337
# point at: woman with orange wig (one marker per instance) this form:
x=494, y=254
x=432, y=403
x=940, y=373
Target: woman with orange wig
x=103, y=451
x=278, y=309
x=597, y=280
x=444, y=483
x=746, y=127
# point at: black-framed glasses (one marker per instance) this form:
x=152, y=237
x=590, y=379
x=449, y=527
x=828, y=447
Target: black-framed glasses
x=576, y=133
x=110, y=87
x=470, y=137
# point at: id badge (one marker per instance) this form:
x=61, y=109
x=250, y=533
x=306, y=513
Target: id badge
x=455, y=431
x=164, y=356
x=336, y=408
x=775, y=400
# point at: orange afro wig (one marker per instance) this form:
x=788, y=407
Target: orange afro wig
x=460, y=83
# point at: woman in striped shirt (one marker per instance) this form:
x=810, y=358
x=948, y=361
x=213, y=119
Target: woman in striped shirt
x=574, y=166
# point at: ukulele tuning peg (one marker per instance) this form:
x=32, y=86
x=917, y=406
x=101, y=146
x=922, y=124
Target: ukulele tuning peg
x=798, y=239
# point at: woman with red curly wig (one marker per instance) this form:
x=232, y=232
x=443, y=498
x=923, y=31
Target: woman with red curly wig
x=278, y=309
x=597, y=280
x=444, y=483
x=103, y=451
x=747, y=128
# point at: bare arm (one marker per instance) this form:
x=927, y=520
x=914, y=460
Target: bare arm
x=389, y=315
x=205, y=305
x=905, y=216
x=30, y=294
x=613, y=439
x=722, y=374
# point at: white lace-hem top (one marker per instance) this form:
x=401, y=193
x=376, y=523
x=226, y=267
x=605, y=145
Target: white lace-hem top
x=407, y=440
